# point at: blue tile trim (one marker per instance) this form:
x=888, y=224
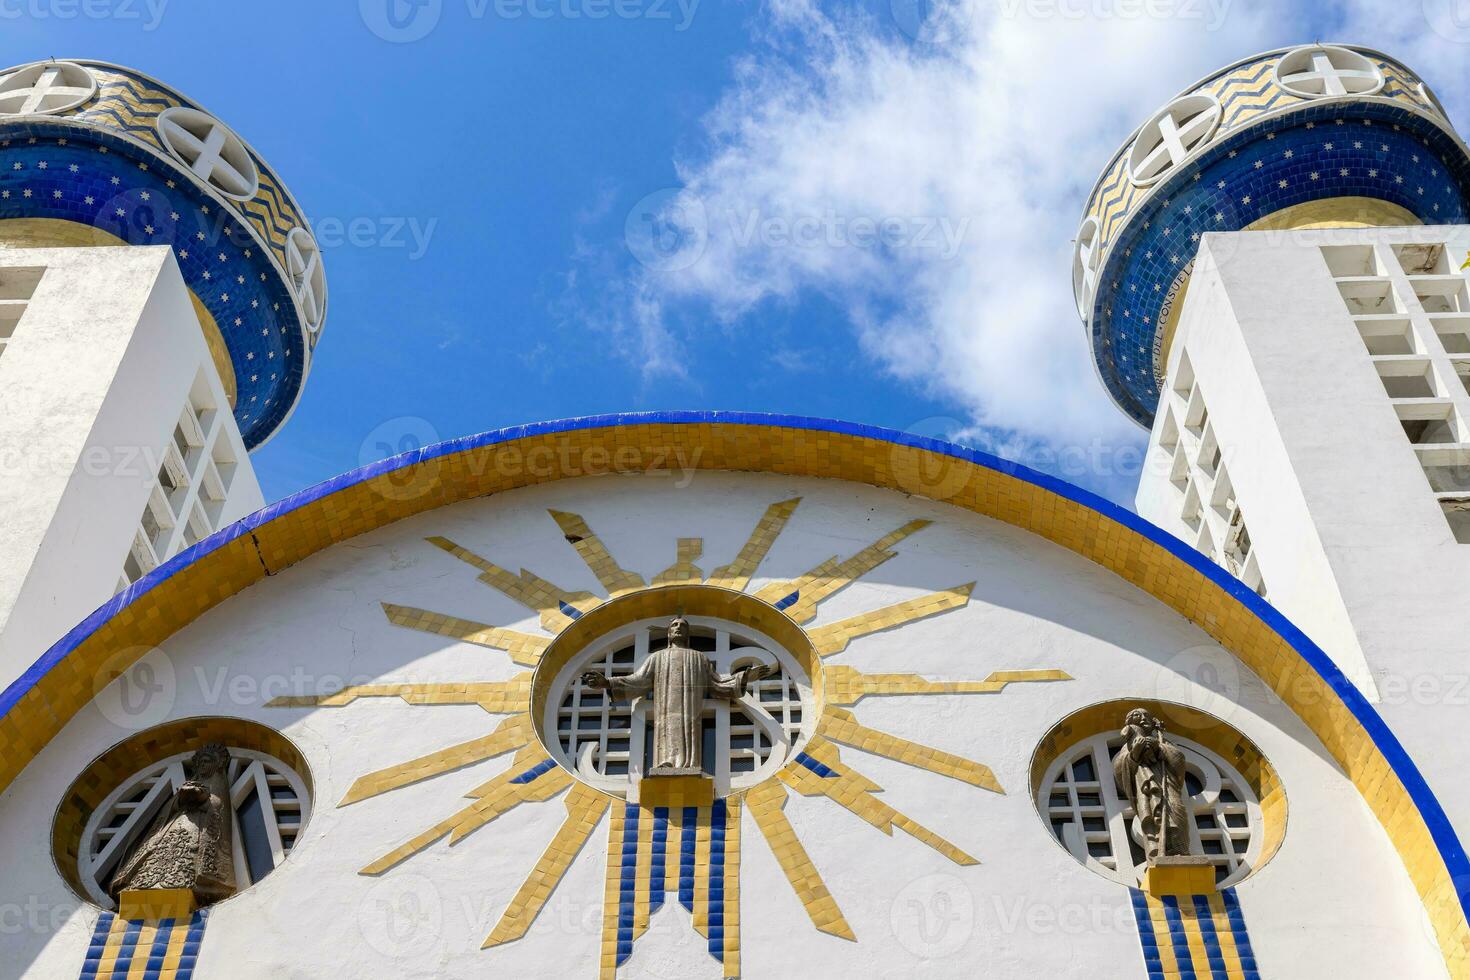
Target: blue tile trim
x=1242, y=937
x=1151, y=959
x=821, y=770
x=789, y=601
x=570, y=611
x=124, y=961
x=159, y=951
x=99, y=942
x=1205, y=916
x=686, y=857
x=627, y=882
x=1450, y=849
x=716, y=894
x=535, y=772
x=240, y=280
x=659, y=861
x=1182, y=956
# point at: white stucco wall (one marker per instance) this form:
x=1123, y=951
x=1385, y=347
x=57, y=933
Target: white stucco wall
x=1335, y=901
x=1351, y=541
x=91, y=386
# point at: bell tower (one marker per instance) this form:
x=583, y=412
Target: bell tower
x=1269, y=273
x=161, y=297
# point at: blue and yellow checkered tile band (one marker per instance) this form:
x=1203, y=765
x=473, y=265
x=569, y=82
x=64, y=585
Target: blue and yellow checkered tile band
x=141, y=949
x=1194, y=937
x=688, y=854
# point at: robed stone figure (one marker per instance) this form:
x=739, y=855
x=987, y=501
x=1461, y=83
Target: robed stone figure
x=678, y=678
x=1151, y=772
x=190, y=844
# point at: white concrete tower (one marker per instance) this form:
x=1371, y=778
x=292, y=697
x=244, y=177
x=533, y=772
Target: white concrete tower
x=1269, y=273
x=160, y=297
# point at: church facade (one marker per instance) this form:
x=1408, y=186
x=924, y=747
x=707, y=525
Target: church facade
x=707, y=694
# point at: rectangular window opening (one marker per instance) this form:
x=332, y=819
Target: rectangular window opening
x=1423, y=260
x=1387, y=336
x=1407, y=379
x=1346, y=261
x=1368, y=296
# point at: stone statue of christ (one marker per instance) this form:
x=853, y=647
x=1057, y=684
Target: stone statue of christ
x=679, y=678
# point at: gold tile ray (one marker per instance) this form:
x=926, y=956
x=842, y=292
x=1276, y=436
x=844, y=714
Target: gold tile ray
x=766, y=801
x=848, y=685
x=585, y=807
x=528, y=588
x=683, y=569
x=589, y=547
x=511, y=733
x=841, y=725
x=497, y=697
x=834, y=638
x=736, y=575
x=854, y=792
x=523, y=648
x=493, y=798
x=835, y=574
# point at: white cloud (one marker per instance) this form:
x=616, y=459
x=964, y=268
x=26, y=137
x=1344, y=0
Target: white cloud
x=979, y=154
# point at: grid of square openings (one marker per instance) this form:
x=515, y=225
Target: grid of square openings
x=1412, y=310
x=193, y=477
x=598, y=729
x=17, y=286
x=1091, y=817
x=1197, y=469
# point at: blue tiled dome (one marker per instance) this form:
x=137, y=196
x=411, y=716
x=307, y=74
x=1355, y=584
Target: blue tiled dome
x=1272, y=150
x=103, y=164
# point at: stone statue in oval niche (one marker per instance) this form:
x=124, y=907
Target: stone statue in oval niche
x=1151, y=772
x=679, y=678
x=191, y=842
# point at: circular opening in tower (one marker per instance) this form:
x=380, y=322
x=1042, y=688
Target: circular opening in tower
x=726, y=695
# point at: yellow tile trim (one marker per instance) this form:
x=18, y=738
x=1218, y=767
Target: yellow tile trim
x=156, y=903
x=496, y=464
x=1225, y=935
x=611, y=885
x=732, y=888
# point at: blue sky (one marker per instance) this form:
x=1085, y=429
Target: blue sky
x=484, y=193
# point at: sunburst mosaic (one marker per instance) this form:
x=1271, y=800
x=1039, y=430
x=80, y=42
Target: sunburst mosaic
x=675, y=839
